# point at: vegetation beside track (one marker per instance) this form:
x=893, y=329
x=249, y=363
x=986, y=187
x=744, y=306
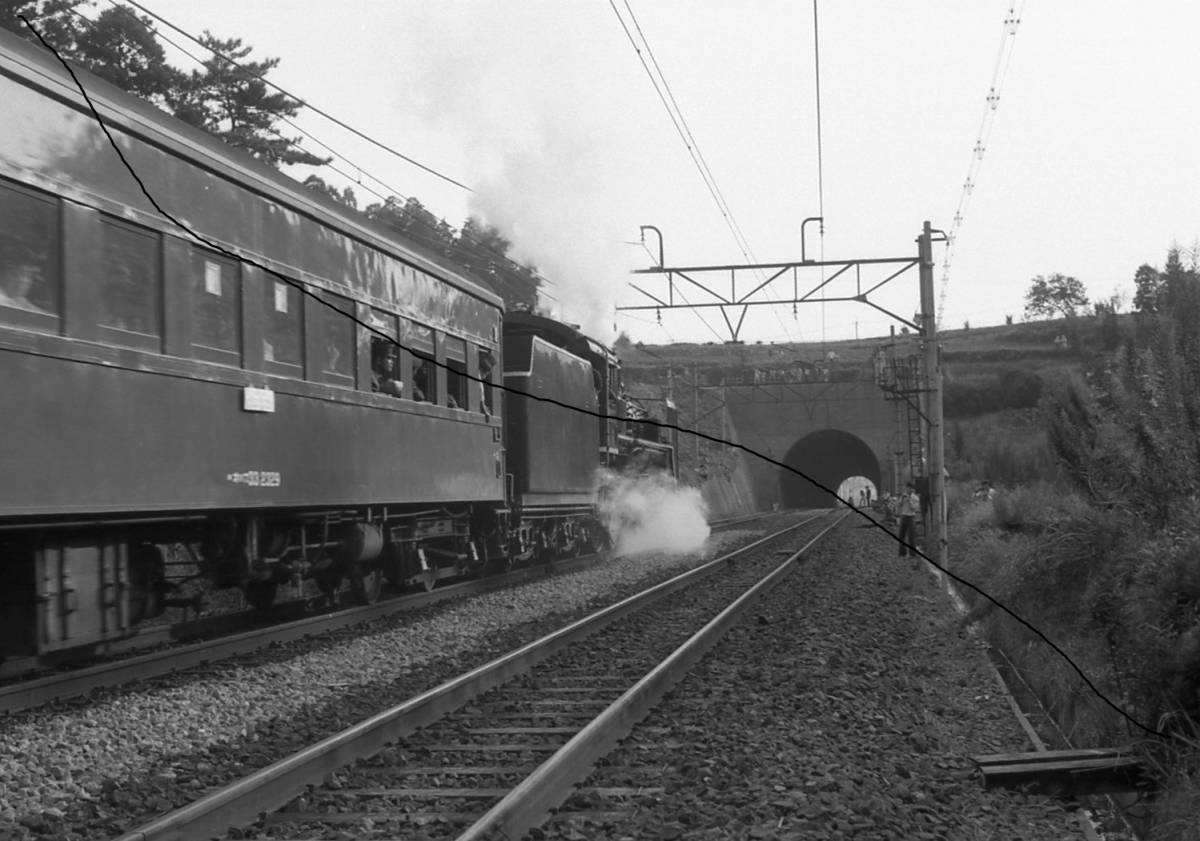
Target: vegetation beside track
x=1094, y=538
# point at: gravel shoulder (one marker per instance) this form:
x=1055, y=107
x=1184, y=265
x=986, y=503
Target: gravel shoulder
x=847, y=705
x=91, y=767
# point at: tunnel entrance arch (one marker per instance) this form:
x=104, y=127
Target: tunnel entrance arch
x=829, y=457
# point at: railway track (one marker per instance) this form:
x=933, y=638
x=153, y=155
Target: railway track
x=494, y=749
x=69, y=684
x=28, y=694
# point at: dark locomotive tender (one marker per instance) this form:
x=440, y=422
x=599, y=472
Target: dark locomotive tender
x=163, y=400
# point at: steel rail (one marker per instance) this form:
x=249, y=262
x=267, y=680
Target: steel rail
x=32, y=693
x=530, y=802
x=28, y=694
x=1087, y=827
x=271, y=787
x=741, y=519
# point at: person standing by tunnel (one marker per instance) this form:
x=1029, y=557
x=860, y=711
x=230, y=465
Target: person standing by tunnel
x=910, y=503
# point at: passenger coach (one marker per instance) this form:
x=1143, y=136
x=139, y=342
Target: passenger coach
x=158, y=393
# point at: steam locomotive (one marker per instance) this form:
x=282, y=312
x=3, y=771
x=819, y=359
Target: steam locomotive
x=165, y=400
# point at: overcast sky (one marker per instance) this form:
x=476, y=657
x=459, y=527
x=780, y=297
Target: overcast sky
x=543, y=107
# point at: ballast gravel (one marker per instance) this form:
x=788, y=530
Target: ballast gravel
x=93, y=767
x=845, y=705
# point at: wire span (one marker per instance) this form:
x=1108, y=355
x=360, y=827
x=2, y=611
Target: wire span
x=667, y=97
x=303, y=102
x=1008, y=40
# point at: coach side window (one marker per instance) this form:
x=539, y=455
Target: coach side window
x=284, y=327
x=337, y=339
x=424, y=369
x=130, y=287
x=29, y=265
x=487, y=364
x=385, y=354
x=216, y=307
x=456, y=373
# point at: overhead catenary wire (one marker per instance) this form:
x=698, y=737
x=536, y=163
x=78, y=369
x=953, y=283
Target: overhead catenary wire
x=304, y=289
x=392, y=192
x=667, y=97
x=315, y=109
x=820, y=158
x=1008, y=40
x=679, y=292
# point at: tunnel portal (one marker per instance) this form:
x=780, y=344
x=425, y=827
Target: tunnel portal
x=828, y=456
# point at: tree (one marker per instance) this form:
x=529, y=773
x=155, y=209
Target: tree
x=120, y=46
x=413, y=221
x=55, y=20
x=1056, y=295
x=1147, y=283
x=233, y=102
x=229, y=100
x=319, y=185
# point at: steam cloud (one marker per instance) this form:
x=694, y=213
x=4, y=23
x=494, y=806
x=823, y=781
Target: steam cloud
x=651, y=513
x=542, y=160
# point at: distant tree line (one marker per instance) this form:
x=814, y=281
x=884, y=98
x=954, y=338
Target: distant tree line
x=231, y=101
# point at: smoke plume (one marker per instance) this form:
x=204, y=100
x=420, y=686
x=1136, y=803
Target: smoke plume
x=544, y=163
x=651, y=513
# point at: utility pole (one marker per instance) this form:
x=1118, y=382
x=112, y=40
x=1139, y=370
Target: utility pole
x=935, y=544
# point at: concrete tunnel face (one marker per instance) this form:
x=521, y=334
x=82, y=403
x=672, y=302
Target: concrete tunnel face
x=829, y=457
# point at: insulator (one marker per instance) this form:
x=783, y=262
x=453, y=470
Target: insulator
x=979, y=150
x=658, y=314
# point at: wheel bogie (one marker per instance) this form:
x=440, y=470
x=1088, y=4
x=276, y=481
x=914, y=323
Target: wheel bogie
x=86, y=588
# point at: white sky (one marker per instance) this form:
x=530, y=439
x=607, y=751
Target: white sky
x=1091, y=167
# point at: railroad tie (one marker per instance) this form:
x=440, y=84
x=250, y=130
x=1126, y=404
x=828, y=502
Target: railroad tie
x=1065, y=772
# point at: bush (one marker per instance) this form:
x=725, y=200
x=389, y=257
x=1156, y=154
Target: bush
x=1004, y=449
x=1009, y=388
x=1040, y=507
x=1152, y=600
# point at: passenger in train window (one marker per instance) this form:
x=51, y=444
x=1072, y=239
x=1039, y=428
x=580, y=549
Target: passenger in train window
x=383, y=369
x=17, y=283
x=421, y=380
